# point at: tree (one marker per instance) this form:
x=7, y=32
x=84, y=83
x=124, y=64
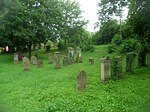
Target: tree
x=111, y=8
x=72, y=23
x=107, y=31
x=30, y=22
x=139, y=20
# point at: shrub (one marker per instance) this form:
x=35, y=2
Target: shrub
x=129, y=45
x=117, y=40
x=111, y=48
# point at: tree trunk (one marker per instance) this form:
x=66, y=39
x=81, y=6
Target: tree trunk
x=11, y=49
x=65, y=44
x=29, y=49
x=142, y=59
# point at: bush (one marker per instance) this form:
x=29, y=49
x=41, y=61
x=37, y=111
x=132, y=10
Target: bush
x=87, y=47
x=92, y=48
x=111, y=48
x=129, y=45
x=117, y=40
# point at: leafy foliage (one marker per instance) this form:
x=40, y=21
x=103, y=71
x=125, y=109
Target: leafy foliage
x=106, y=32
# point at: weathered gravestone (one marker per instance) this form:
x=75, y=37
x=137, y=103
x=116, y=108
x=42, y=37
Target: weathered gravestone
x=34, y=60
x=91, y=61
x=20, y=55
x=57, y=60
x=26, y=64
x=39, y=63
x=15, y=58
x=71, y=55
x=66, y=61
x=50, y=58
x=79, y=55
x=81, y=81
x=105, y=69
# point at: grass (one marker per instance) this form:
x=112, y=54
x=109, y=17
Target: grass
x=49, y=90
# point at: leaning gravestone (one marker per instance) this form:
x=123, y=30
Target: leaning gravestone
x=34, y=60
x=50, y=58
x=81, y=80
x=57, y=60
x=105, y=69
x=79, y=55
x=91, y=61
x=26, y=63
x=15, y=58
x=39, y=63
x=66, y=61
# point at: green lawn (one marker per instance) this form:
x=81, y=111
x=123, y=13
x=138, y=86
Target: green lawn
x=49, y=90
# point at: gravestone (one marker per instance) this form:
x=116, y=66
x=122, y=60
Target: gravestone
x=39, y=63
x=34, y=60
x=71, y=55
x=15, y=58
x=66, y=61
x=26, y=64
x=50, y=58
x=81, y=81
x=91, y=61
x=57, y=60
x=20, y=55
x=79, y=55
x=105, y=69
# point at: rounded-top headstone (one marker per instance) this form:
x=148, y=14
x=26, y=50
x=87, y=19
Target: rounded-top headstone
x=81, y=80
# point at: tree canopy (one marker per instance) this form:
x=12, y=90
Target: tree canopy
x=29, y=22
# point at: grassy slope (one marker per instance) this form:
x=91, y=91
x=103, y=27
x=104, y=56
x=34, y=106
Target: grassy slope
x=49, y=90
